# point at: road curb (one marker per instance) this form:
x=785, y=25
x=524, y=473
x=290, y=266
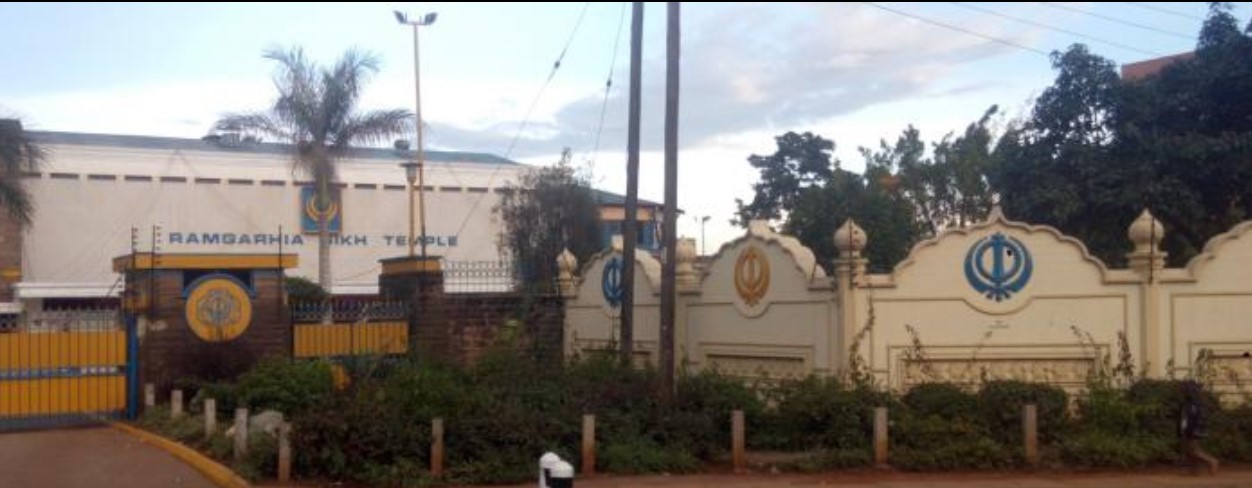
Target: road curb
x=215, y=472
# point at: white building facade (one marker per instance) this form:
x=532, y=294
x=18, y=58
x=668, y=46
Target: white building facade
x=100, y=196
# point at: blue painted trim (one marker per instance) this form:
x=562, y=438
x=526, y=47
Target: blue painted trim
x=611, y=282
x=132, y=367
x=32, y=422
x=51, y=373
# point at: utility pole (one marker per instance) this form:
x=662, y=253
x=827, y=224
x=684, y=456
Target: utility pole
x=669, y=292
x=632, y=187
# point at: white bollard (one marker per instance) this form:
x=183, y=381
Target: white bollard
x=546, y=462
x=561, y=476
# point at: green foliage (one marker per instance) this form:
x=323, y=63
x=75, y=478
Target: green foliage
x=818, y=413
x=801, y=181
x=549, y=210
x=943, y=400
x=1001, y=405
x=301, y=289
x=19, y=154
x=290, y=387
x=1100, y=449
x=956, y=454
x=1093, y=152
x=640, y=455
x=700, y=416
x=832, y=459
x=316, y=112
x=1230, y=434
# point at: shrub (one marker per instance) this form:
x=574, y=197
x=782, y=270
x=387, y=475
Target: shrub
x=1108, y=450
x=1001, y=404
x=974, y=452
x=817, y=413
x=303, y=290
x=641, y=455
x=826, y=460
x=287, y=386
x=1230, y=434
x=944, y=400
x=700, y=417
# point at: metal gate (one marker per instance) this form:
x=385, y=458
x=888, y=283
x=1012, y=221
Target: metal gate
x=67, y=367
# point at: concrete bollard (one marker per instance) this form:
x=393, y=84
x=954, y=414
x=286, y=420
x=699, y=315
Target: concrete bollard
x=546, y=462
x=1030, y=434
x=149, y=395
x=210, y=417
x=737, y=455
x=284, y=453
x=562, y=476
x=589, y=445
x=241, y=433
x=176, y=404
x=436, y=447
x=880, y=436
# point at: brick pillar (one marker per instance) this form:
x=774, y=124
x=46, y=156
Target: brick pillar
x=419, y=280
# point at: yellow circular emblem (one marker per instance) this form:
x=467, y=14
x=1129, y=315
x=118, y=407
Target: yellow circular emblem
x=751, y=276
x=218, y=309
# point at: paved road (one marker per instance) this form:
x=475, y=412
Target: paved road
x=1159, y=479
x=98, y=457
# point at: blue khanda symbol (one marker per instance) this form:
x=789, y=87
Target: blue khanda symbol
x=1010, y=266
x=611, y=282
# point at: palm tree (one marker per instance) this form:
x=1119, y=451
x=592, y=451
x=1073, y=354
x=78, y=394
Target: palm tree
x=18, y=154
x=316, y=113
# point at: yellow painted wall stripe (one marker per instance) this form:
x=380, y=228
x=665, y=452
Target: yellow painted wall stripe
x=313, y=340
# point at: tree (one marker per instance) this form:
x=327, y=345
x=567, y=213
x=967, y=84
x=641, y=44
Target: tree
x=316, y=112
x=1097, y=149
x=18, y=154
x=1057, y=167
x=549, y=210
x=803, y=186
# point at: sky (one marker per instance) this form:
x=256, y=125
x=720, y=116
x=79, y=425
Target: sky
x=851, y=72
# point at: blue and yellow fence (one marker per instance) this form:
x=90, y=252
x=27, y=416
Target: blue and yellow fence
x=65, y=371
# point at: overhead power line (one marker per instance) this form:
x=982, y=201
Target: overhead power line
x=957, y=28
x=1155, y=8
x=526, y=120
x=1054, y=28
x=1119, y=21
x=608, y=84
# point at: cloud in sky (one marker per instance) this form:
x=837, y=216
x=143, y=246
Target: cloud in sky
x=757, y=67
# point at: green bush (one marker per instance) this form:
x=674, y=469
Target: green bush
x=700, y=417
x=944, y=400
x=1108, y=450
x=832, y=459
x=303, y=290
x=1230, y=434
x=818, y=413
x=640, y=455
x=288, y=386
x=1001, y=404
x=956, y=454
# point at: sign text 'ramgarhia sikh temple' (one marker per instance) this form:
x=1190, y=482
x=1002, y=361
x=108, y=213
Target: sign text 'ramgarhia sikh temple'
x=275, y=239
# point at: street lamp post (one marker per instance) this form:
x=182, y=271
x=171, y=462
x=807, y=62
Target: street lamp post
x=410, y=175
x=419, y=164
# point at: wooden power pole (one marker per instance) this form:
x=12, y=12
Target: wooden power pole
x=669, y=292
x=630, y=223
